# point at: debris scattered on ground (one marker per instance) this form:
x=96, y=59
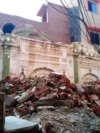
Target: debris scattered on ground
x=25, y=97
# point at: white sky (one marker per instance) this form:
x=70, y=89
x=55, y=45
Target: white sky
x=24, y=8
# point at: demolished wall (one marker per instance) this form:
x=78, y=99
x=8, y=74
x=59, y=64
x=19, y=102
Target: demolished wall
x=54, y=102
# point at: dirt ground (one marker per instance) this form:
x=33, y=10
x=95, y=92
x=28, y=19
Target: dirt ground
x=65, y=120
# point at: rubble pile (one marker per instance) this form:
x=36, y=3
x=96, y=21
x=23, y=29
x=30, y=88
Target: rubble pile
x=29, y=95
x=54, y=90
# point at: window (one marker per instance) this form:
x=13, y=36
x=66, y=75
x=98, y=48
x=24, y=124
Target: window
x=94, y=38
x=92, y=7
x=72, y=38
x=44, y=18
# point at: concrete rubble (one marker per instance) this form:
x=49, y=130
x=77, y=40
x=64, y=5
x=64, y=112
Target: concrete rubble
x=58, y=105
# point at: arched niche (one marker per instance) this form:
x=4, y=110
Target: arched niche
x=41, y=72
x=89, y=77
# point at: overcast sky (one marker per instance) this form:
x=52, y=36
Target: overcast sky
x=24, y=8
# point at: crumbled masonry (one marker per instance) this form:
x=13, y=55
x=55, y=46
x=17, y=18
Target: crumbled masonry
x=59, y=105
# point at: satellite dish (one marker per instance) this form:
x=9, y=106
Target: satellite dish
x=8, y=28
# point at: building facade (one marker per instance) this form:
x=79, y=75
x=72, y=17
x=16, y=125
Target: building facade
x=80, y=63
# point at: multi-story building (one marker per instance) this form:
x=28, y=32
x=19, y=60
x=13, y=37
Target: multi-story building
x=86, y=26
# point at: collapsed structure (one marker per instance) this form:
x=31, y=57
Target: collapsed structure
x=35, y=91
x=29, y=95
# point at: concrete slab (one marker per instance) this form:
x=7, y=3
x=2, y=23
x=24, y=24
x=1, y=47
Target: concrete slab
x=14, y=124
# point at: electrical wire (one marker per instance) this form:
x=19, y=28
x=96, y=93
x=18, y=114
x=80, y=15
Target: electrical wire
x=80, y=9
x=77, y=13
x=76, y=17
x=85, y=13
x=94, y=26
x=82, y=4
x=82, y=16
x=87, y=31
x=66, y=5
x=87, y=16
x=88, y=20
x=84, y=7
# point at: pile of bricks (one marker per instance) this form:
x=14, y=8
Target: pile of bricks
x=24, y=96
